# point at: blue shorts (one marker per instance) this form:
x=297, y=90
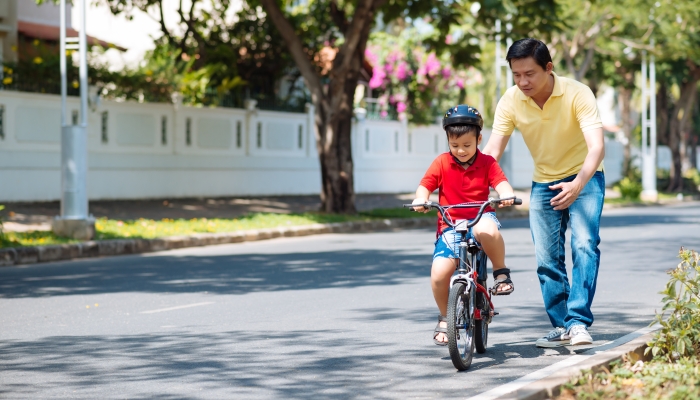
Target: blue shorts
x=446, y=244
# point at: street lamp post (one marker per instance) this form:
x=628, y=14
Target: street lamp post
x=74, y=221
x=501, y=63
x=648, y=145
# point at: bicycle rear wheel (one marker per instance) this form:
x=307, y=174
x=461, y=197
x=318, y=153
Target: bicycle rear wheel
x=460, y=325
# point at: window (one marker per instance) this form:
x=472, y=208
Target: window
x=188, y=131
x=239, y=134
x=301, y=136
x=163, y=130
x=104, y=118
x=258, y=137
x=366, y=139
x=2, y=122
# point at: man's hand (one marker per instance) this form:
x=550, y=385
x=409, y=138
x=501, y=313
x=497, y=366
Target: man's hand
x=569, y=193
x=420, y=209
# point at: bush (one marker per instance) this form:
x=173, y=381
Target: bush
x=679, y=336
x=630, y=189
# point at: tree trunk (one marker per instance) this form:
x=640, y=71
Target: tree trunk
x=679, y=118
x=625, y=98
x=333, y=100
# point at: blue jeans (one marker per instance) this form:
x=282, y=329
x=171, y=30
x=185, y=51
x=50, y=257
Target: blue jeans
x=567, y=305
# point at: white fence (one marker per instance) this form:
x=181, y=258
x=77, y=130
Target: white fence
x=146, y=150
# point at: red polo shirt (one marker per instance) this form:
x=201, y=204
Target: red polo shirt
x=458, y=185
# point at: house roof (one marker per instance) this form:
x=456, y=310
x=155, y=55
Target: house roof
x=49, y=32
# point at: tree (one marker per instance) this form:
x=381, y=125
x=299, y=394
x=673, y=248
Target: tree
x=678, y=47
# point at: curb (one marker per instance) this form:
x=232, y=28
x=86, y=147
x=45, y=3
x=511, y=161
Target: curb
x=550, y=387
x=113, y=247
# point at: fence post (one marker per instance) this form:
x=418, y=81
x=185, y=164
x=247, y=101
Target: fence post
x=251, y=111
x=310, y=127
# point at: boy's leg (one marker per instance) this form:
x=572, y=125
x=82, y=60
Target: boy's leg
x=440, y=275
x=548, y=228
x=585, y=214
x=487, y=234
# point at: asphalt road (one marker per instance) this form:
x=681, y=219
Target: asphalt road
x=328, y=316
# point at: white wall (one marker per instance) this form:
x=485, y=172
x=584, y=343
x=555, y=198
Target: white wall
x=145, y=151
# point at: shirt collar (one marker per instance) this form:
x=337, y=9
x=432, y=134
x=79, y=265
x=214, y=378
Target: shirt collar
x=557, y=90
x=478, y=162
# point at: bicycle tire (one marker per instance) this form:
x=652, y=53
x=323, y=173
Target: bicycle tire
x=481, y=326
x=460, y=326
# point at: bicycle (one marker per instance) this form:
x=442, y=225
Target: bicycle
x=469, y=307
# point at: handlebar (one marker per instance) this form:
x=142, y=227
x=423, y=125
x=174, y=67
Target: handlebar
x=480, y=205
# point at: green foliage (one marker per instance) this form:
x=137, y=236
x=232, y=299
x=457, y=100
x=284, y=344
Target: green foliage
x=679, y=336
x=632, y=378
x=694, y=176
x=629, y=188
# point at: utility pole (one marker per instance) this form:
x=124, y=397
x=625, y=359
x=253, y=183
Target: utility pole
x=74, y=221
x=649, y=192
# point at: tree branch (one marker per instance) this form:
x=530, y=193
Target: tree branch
x=339, y=17
x=364, y=11
x=163, y=28
x=295, y=48
x=567, y=56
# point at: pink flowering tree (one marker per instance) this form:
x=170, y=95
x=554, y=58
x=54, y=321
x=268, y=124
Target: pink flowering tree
x=411, y=81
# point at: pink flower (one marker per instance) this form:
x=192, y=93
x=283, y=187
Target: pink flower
x=432, y=65
x=384, y=114
x=402, y=71
x=460, y=83
x=401, y=107
x=378, y=76
x=446, y=73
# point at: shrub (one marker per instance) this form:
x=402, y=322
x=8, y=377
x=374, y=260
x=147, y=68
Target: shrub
x=679, y=336
x=630, y=189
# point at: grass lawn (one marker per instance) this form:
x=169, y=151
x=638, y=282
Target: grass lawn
x=149, y=229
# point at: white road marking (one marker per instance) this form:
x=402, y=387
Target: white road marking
x=178, y=307
x=547, y=371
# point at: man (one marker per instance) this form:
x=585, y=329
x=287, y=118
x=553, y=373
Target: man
x=559, y=120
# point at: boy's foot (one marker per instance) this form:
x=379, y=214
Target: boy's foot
x=557, y=337
x=579, y=335
x=440, y=333
x=503, y=287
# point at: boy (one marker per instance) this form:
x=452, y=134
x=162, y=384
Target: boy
x=462, y=175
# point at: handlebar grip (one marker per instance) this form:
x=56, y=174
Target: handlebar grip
x=518, y=202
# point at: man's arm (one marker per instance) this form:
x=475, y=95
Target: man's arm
x=571, y=190
x=496, y=146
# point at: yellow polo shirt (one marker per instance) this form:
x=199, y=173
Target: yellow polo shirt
x=553, y=134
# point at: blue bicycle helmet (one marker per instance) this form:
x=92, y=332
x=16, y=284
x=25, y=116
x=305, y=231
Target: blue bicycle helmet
x=463, y=114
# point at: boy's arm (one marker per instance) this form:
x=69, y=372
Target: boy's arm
x=505, y=190
x=422, y=196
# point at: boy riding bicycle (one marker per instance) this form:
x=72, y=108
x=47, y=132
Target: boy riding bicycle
x=464, y=175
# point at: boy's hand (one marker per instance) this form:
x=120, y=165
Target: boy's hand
x=420, y=209
x=506, y=203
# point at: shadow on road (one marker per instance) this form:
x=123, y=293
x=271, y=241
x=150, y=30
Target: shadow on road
x=276, y=364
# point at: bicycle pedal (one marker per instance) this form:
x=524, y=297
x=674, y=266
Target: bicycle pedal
x=495, y=313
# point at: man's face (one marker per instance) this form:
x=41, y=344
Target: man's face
x=529, y=76
x=464, y=147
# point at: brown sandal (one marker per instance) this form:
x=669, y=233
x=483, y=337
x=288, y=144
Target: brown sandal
x=439, y=329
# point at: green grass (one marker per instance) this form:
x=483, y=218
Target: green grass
x=149, y=229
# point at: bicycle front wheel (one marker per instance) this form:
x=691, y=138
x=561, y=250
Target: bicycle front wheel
x=460, y=326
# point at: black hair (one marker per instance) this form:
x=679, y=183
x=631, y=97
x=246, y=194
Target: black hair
x=529, y=47
x=458, y=130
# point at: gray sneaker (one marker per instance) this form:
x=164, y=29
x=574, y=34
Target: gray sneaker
x=557, y=337
x=579, y=335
